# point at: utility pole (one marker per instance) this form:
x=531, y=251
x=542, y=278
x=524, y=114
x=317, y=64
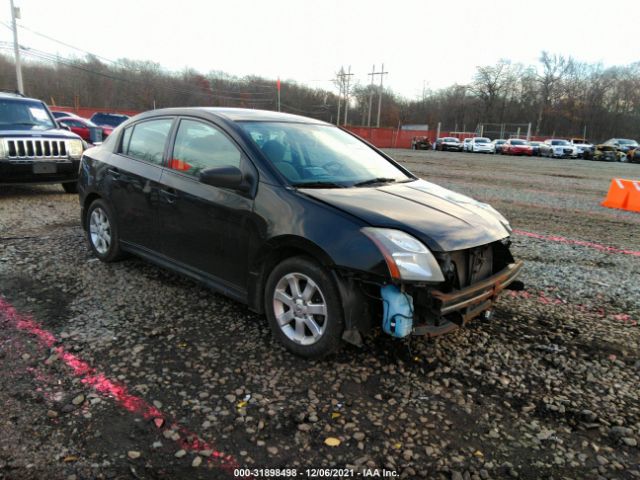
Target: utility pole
x=340, y=76
x=382, y=73
x=344, y=87
x=15, y=13
x=346, y=96
x=371, y=88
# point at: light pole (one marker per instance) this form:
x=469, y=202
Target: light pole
x=16, y=48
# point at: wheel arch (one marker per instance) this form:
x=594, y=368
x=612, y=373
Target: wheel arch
x=271, y=254
x=88, y=200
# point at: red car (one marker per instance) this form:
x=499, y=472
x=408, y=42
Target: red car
x=88, y=130
x=515, y=146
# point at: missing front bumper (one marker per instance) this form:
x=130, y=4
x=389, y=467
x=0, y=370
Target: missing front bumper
x=461, y=306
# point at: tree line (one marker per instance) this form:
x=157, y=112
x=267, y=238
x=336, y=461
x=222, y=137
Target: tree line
x=559, y=96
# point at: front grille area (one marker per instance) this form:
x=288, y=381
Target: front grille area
x=25, y=150
x=466, y=267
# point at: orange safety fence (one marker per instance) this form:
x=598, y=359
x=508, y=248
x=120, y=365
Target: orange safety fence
x=87, y=112
x=381, y=137
x=624, y=195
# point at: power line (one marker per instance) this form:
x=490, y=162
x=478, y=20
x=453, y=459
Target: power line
x=54, y=59
x=114, y=62
x=121, y=65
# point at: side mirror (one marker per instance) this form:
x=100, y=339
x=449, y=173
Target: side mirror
x=63, y=126
x=225, y=177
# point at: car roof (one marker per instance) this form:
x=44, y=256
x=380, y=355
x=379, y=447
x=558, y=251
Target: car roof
x=111, y=114
x=238, y=114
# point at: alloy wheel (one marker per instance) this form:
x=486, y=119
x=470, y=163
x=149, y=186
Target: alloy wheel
x=300, y=309
x=100, y=230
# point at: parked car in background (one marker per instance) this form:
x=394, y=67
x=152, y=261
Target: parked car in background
x=623, y=144
x=517, y=146
x=420, y=143
x=609, y=153
x=87, y=130
x=112, y=120
x=497, y=145
x=33, y=148
x=465, y=144
x=558, y=148
x=481, y=145
x=58, y=114
x=325, y=234
x=585, y=148
x=634, y=155
x=449, y=143
x=535, y=147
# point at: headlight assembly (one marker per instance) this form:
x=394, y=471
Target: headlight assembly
x=407, y=258
x=74, y=148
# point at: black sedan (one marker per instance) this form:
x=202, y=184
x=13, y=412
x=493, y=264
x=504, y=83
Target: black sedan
x=298, y=219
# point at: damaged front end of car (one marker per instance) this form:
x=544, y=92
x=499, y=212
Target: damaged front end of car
x=433, y=293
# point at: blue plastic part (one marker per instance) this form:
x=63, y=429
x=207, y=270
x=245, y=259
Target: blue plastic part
x=397, y=318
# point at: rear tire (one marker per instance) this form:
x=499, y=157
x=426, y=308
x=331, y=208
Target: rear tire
x=102, y=232
x=70, y=187
x=303, y=307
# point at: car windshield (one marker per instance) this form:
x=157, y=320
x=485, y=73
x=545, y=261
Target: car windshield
x=107, y=119
x=321, y=155
x=24, y=115
x=624, y=141
x=559, y=142
x=518, y=142
x=450, y=139
x=482, y=140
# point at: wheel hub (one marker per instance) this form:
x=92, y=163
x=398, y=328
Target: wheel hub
x=300, y=308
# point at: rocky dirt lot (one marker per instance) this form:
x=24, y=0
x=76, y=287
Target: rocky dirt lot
x=127, y=371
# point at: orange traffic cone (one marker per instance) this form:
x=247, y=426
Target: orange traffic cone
x=617, y=196
x=633, y=202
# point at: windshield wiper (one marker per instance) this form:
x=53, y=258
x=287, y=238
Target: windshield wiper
x=374, y=181
x=318, y=184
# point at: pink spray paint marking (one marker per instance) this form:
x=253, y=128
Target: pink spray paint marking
x=103, y=385
x=541, y=297
x=568, y=241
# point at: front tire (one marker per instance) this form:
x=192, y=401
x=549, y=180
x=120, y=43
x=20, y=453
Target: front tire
x=303, y=307
x=102, y=232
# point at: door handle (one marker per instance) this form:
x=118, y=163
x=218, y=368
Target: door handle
x=115, y=173
x=169, y=194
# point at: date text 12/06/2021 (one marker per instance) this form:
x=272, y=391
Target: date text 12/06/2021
x=310, y=473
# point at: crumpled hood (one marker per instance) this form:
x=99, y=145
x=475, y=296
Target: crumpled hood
x=444, y=220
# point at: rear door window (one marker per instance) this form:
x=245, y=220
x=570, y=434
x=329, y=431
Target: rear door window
x=147, y=140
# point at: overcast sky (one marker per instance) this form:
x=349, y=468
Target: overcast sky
x=421, y=43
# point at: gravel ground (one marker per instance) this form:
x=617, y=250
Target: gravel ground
x=547, y=389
